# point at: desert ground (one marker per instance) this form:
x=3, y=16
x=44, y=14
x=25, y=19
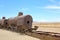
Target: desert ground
x=49, y=27
x=9, y=35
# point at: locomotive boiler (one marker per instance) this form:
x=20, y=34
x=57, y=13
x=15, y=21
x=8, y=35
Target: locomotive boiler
x=20, y=23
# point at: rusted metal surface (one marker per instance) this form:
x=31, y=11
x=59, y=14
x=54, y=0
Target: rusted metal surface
x=2, y=22
x=22, y=22
x=20, y=13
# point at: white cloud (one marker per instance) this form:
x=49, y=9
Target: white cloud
x=52, y=7
x=49, y=7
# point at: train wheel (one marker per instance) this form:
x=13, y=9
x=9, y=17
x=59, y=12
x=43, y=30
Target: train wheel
x=9, y=28
x=1, y=26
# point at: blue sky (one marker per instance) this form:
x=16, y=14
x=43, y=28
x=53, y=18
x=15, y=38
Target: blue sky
x=40, y=10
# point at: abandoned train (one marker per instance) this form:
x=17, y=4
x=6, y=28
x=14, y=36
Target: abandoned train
x=18, y=23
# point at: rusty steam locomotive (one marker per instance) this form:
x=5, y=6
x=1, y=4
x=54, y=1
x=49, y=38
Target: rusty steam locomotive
x=18, y=23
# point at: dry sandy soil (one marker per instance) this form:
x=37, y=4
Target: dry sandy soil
x=50, y=27
x=9, y=35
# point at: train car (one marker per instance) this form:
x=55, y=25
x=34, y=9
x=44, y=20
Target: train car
x=0, y=23
x=20, y=23
x=3, y=22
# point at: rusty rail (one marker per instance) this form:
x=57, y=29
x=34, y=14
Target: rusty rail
x=44, y=35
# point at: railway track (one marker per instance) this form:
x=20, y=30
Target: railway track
x=44, y=35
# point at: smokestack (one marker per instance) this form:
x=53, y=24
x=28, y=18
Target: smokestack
x=20, y=13
x=3, y=17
